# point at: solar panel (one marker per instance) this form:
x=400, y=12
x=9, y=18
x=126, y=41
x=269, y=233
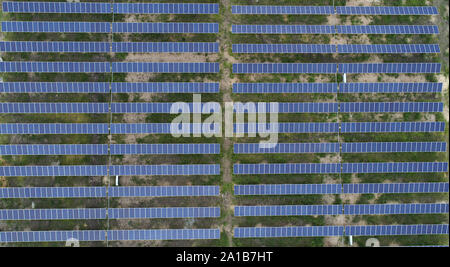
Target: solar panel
x=374, y=147
x=163, y=149
x=288, y=210
x=54, y=128
x=387, y=29
x=283, y=29
x=284, y=88
x=287, y=189
x=56, y=26
x=72, y=170
x=52, y=236
x=284, y=48
x=324, y=68
x=386, y=10
x=395, y=167
x=256, y=148
x=162, y=191
x=384, y=209
x=163, y=234
x=193, y=169
x=165, y=8
x=391, y=127
x=54, y=108
x=290, y=127
x=396, y=188
x=167, y=213
x=294, y=231
x=52, y=214
x=158, y=67
x=287, y=168
x=165, y=47
x=55, y=47
x=54, y=87
x=161, y=107
x=391, y=107
x=56, y=7
x=418, y=229
x=388, y=49
x=303, y=107
x=164, y=87
x=166, y=27
x=71, y=67
x=78, y=149
x=280, y=10
x=162, y=128
x=52, y=192
x=390, y=88
x=389, y=68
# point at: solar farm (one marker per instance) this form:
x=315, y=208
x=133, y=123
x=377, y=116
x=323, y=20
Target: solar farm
x=89, y=153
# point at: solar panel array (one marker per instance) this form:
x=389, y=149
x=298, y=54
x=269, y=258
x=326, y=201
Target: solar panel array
x=395, y=188
x=374, y=230
x=167, y=213
x=383, y=209
x=78, y=149
x=163, y=149
x=55, y=47
x=288, y=210
x=290, y=127
x=287, y=189
x=295, y=231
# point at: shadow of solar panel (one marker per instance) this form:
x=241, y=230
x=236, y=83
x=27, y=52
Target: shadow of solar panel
x=54, y=128
x=52, y=236
x=165, y=8
x=287, y=189
x=52, y=192
x=390, y=88
x=289, y=88
x=163, y=191
x=396, y=188
x=417, y=229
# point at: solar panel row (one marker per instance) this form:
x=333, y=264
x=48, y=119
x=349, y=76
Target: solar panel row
x=387, y=29
x=374, y=230
x=72, y=67
x=172, y=67
x=283, y=29
x=96, y=192
x=349, y=107
x=386, y=10
x=194, y=169
x=54, y=128
x=104, y=47
x=54, y=108
x=290, y=168
x=56, y=7
x=388, y=49
x=299, y=107
x=383, y=209
x=52, y=214
x=288, y=210
x=165, y=8
x=390, y=88
x=371, y=147
x=164, y=27
x=162, y=128
x=164, y=87
x=339, y=29
x=161, y=107
x=78, y=149
x=279, y=10
x=292, y=88
x=389, y=68
x=395, y=167
x=153, y=213
x=119, y=149
x=294, y=231
x=246, y=148
x=396, y=188
x=391, y=127
x=52, y=236
x=54, y=87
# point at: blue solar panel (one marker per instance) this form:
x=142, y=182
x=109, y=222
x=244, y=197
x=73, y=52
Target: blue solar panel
x=167, y=87
x=389, y=68
x=153, y=213
x=162, y=191
x=160, y=107
x=79, y=149
x=391, y=127
x=68, y=170
x=279, y=10
x=285, y=88
x=52, y=236
x=244, y=148
x=193, y=169
x=54, y=128
x=391, y=107
x=388, y=49
x=52, y=192
x=325, y=68
x=387, y=29
x=54, y=87
x=386, y=10
x=162, y=149
x=418, y=229
x=55, y=47
x=72, y=67
x=168, y=27
x=56, y=7
x=373, y=147
x=395, y=167
x=382, y=209
x=287, y=189
x=162, y=128
x=54, y=108
x=166, y=47
x=165, y=8
x=288, y=210
x=158, y=67
x=163, y=234
x=301, y=127
x=284, y=48
x=283, y=29
x=396, y=188
x=57, y=27
x=52, y=214
x=295, y=231
x=287, y=168
x=390, y=88
x=287, y=108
